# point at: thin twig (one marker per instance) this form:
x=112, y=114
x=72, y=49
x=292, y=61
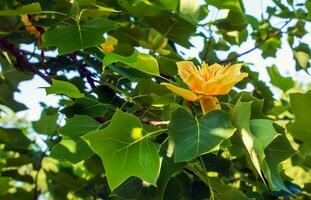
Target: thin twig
x=155, y=123
x=256, y=46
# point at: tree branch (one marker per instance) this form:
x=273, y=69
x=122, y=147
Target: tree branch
x=21, y=61
x=256, y=46
x=83, y=71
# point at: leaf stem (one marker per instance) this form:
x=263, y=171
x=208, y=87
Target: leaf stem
x=207, y=178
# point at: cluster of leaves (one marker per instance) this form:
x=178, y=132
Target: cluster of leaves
x=128, y=137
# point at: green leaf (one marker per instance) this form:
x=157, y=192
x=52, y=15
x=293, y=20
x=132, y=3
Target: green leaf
x=4, y=185
x=256, y=134
x=63, y=87
x=235, y=19
x=71, y=150
x=142, y=62
x=218, y=189
x=10, y=77
x=153, y=93
x=301, y=128
x=14, y=139
x=86, y=106
x=173, y=27
x=278, y=151
x=190, y=10
x=97, y=11
x=284, y=83
x=233, y=5
x=126, y=150
x=270, y=46
x=71, y=38
x=224, y=191
x=302, y=55
x=33, y=8
x=78, y=126
x=47, y=124
x=136, y=189
x=302, y=59
x=194, y=137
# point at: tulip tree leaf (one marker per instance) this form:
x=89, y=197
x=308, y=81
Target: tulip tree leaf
x=224, y=191
x=278, y=151
x=194, y=137
x=33, y=8
x=4, y=185
x=126, y=150
x=73, y=148
x=86, y=106
x=63, y=87
x=14, y=139
x=257, y=135
x=278, y=80
x=78, y=126
x=140, y=61
x=301, y=128
x=233, y=5
x=302, y=54
x=78, y=36
x=235, y=19
x=190, y=10
x=47, y=124
x=135, y=189
x=173, y=27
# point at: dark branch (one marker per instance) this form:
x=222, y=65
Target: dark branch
x=83, y=70
x=279, y=31
x=21, y=60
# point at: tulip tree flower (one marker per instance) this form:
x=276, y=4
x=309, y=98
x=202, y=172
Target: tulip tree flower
x=109, y=44
x=206, y=82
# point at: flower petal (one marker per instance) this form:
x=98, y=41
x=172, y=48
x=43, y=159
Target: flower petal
x=233, y=69
x=186, y=68
x=186, y=94
x=222, y=87
x=209, y=103
x=191, y=75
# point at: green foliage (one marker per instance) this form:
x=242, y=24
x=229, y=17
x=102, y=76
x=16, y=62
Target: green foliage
x=78, y=36
x=117, y=133
x=63, y=87
x=284, y=83
x=139, y=61
x=189, y=134
x=126, y=151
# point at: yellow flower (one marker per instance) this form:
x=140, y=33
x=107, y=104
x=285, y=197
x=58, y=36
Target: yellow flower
x=109, y=44
x=206, y=82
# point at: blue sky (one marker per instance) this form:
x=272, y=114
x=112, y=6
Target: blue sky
x=31, y=92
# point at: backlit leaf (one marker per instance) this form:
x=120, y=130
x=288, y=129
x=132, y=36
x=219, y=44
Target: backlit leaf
x=194, y=137
x=126, y=150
